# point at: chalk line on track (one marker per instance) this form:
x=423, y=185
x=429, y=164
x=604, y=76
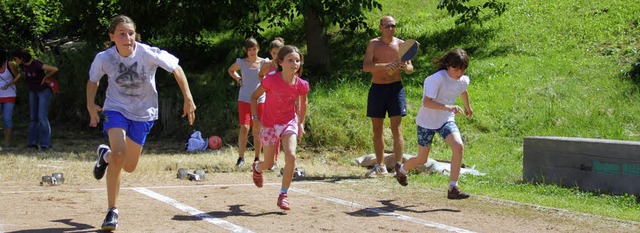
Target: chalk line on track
x=235, y=228
x=384, y=212
x=193, y=211
x=423, y=222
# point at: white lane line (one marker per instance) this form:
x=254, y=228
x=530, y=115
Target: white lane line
x=160, y=187
x=203, y=186
x=427, y=223
x=22, y=192
x=193, y=211
x=50, y=166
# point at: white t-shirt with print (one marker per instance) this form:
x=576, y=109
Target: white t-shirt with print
x=442, y=89
x=132, y=80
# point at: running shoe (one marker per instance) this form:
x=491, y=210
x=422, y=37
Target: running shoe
x=111, y=221
x=101, y=166
x=401, y=174
x=455, y=193
x=377, y=170
x=283, y=203
x=257, y=176
x=240, y=162
x=274, y=167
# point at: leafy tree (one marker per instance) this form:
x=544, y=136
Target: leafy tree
x=88, y=19
x=318, y=15
x=183, y=21
x=27, y=23
x=471, y=14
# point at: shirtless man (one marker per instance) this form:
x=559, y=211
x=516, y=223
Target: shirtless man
x=386, y=94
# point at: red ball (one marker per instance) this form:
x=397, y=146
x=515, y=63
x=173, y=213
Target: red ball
x=215, y=142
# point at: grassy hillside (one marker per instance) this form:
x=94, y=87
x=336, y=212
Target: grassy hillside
x=544, y=68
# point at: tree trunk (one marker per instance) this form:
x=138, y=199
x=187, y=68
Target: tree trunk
x=317, y=57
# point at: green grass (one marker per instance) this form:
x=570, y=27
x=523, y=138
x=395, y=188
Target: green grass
x=543, y=68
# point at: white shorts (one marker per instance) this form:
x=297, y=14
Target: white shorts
x=270, y=136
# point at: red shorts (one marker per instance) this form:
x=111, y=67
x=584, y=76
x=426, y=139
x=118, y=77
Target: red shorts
x=244, y=112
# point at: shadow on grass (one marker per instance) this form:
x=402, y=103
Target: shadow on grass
x=634, y=73
x=542, y=187
x=233, y=211
x=73, y=226
x=389, y=208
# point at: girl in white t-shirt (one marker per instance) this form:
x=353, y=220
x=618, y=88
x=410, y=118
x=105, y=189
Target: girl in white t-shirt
x=131, y=104
x=437, y=115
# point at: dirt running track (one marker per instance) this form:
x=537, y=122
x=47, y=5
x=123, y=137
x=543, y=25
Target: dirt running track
x=230, y=202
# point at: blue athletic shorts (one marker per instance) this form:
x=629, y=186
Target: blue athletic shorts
x=425, y=136
x=386, y=98
x=137, y=131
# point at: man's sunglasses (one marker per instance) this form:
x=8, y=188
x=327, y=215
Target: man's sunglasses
x=389, y=25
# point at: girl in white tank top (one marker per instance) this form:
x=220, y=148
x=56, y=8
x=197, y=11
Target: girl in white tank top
x=7, y=96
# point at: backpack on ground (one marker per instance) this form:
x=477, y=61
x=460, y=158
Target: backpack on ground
x=196, y=142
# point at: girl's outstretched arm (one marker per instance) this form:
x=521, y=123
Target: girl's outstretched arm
x=430, y=103
x=14, y=70
x=254, y=111
x=264, y=70
x=467, y=106
x=189, y=107
x=92, y=107
x=302, y=112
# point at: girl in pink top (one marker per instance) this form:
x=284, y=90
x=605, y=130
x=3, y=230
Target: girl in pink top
x=281, y=120
x=269, y=67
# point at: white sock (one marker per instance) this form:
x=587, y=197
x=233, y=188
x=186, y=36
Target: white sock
x=256, y=167
x=453, y=183
x=115, y=210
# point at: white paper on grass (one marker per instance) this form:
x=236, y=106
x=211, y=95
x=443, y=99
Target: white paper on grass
x=430, y=167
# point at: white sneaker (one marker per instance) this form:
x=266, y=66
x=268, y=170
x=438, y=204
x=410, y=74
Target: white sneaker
x=377, y=170
x=274, y=167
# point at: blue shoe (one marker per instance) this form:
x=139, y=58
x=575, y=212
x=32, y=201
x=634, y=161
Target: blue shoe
x=111, y=221
x=101, y=166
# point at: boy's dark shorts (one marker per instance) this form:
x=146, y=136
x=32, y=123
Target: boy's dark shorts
x=386, y=98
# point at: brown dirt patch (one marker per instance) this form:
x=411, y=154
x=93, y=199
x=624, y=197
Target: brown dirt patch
x=345, y=203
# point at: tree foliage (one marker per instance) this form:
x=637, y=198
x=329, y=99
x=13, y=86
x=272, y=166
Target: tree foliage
x=25, y=23
x=346, y=14
x=182, y=28
x=470, y=14
x=88, y=20
x=318, y=16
